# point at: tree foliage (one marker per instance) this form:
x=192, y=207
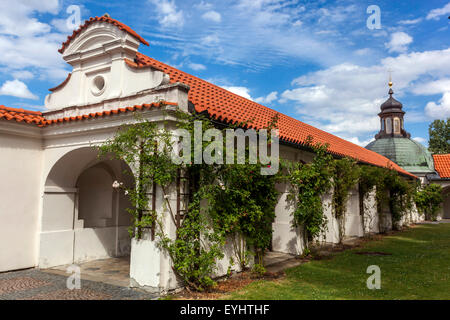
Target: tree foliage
x=439, y=132
x=429, y=200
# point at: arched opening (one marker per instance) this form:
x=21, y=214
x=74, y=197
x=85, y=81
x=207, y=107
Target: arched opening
x=397, y=125
x=388, y=125
x=446, y=203
x=84, y=218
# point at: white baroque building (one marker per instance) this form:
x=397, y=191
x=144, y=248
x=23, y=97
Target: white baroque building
x=57, y=204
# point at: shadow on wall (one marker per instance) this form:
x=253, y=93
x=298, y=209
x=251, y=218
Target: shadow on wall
x=84, y=217
x=446, y=204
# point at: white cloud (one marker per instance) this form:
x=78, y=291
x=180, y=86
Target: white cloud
x=30, y=44
x=363, y=51
x=297, y=23
x=22, y=75
x=258, y=34
x=440, y=110
x=410, y=22
x=420, y=140
x=212, y=16
x=241, y=91
x=399, y=42
x=345, y=99
x=196, y=66
x=432, y=87
x=15, y=18
x=356, y=140
x=267, y=99
x=61, y=25
x=169, y=15
x=203, y=6
x=435, y=14
x=209, y=40
x=16, y=88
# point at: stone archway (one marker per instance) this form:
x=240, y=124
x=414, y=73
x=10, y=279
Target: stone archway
x=84, y=218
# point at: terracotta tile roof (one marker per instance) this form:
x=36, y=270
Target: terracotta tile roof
x=118, y=24
x=228, y=107
x=36, y=117
x=62, y=84
x=21, y=115
x=442, y=164
x=108, y=113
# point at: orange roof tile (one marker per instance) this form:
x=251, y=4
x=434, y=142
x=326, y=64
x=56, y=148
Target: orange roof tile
x=228, y=107
x=108, y=113
x=36, y=117
x=118, y=24
x=62, y=84
x=442, y=164
x=21, y=115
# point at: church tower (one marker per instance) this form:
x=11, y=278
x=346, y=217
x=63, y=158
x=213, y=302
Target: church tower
x=391, y=117
x=395, y=143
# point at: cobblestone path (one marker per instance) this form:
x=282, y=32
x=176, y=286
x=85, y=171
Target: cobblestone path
x=33, y=284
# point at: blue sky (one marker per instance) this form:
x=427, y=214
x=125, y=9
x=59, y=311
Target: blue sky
x=316, y=61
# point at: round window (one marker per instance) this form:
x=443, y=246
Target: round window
x=98, y=85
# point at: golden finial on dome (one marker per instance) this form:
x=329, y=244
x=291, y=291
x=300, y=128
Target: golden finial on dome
x=390, y=78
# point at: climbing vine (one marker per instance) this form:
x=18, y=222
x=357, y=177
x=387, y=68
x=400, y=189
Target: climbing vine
x=226, y=201
x=345, y=177
x=369, y=179
x=234, y=203
x=429, y=200
x=309, y=182
x=391, y=191
x=146, y=148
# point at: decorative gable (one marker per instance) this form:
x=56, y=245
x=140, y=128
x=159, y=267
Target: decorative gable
x=101, y=53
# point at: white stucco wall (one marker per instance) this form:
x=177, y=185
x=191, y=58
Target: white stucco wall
x=20, y=169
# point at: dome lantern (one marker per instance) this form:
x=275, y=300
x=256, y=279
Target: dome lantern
x=391, y=118
x=395, y=143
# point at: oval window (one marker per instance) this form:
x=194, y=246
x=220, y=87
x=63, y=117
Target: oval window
x=98, y=85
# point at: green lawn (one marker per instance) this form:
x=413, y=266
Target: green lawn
x=419, y=268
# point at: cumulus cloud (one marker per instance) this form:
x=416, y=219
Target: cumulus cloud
x=440, y=110
x=268, y=99
x=420, y=140
x=435, y=14
x=20, y=11
x=399, y=42
x=241, y=91
x=356, y=140
x=16, y=88
x=30, y=44
x=168, y=13
x=345, y=99
x=212, y=16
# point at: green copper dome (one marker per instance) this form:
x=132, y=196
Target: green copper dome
x=407, y=153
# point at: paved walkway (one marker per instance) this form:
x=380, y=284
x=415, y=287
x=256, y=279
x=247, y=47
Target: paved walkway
x=114, y=271
x=33, y=284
